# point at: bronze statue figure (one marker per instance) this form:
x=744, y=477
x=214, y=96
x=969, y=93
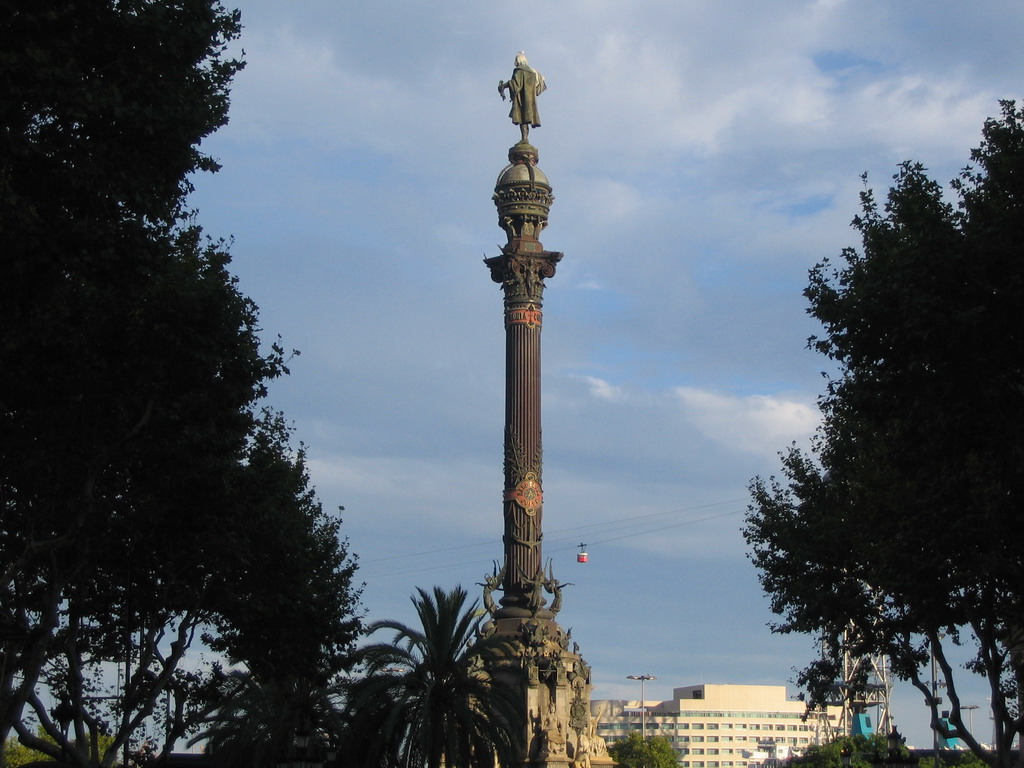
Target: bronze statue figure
x=525, y=85
x=491, y=583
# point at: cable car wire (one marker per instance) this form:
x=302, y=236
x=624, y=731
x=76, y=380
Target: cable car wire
x=556, y=545
x=550, y=534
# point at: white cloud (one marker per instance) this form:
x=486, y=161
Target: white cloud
x=602, y=390
x=298, y=89
x=761, y=424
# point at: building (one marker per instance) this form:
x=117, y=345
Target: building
x=719, y=726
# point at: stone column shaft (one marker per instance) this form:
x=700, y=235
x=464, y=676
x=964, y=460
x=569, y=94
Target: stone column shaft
x=521, y=276
x=523, y=506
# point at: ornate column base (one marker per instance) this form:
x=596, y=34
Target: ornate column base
x=555, y=683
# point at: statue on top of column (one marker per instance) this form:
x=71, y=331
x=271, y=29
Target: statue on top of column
x=525, y=85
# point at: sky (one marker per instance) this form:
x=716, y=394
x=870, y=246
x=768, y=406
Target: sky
x=704, y=156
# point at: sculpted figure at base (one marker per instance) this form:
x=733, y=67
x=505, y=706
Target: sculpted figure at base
x=582, y=758
x=555, y=737
x=598, y=746
x=525, y=85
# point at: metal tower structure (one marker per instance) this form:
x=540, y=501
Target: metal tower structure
x=863, y=697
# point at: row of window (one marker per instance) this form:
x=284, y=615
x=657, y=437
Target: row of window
x=730, y=739
x=745, y=715
x=731, y=726
x=702, y=751
x=654, y=725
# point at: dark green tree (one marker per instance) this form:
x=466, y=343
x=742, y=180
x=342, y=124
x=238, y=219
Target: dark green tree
x=288, y=604
x=265, y=579
x=857, y=751
x=953, y=759
x=435, y=695
x=637, y=752
x=143, y=499
x=290, y=615
x=258, y=723
x=900, y=534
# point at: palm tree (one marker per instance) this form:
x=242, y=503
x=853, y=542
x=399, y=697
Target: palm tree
x=430, y=698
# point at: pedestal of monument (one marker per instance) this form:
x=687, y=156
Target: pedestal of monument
x=555, y=683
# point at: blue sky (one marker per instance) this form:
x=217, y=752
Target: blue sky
x=704, y=156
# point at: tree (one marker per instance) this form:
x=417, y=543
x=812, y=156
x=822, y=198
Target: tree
x=637, y=752
x=953, y=760
x=258, y=722
x=144, y=500
x=267, y=582
x=900, y=533
x=291, y=615
x=17, y=754
x=858, y=751
x=434, y=697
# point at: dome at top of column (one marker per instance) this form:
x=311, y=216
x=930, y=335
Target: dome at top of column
x=521, y=172
x=522, y=166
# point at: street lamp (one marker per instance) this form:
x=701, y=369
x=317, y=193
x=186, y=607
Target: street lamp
x=970, y=714
x=643, y=705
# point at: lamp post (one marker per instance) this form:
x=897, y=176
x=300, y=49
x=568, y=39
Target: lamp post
x=970, y=714
x=643, y=705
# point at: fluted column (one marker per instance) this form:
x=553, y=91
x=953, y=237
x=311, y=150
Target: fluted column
x=523, y=198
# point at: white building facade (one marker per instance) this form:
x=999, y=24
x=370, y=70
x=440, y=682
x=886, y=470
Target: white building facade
x=719, y=726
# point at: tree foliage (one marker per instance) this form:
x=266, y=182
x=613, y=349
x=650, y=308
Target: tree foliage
x=144, y=499
x=17, y=754
x=860, y=751
x=953, y=759
x=257, y=722
x=433, y=697
x=900, y=534
x=637, y=752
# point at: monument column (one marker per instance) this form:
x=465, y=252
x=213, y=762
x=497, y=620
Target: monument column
x=546, y=665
